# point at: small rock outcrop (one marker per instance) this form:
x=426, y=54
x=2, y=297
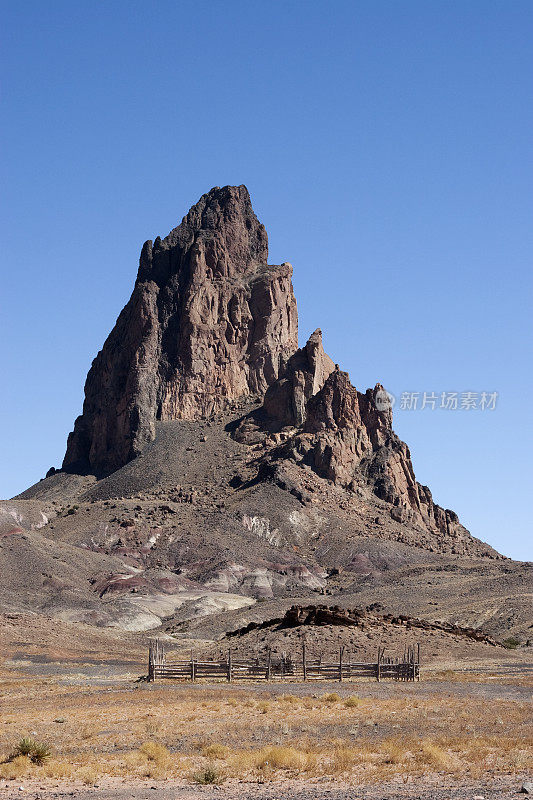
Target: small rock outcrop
x=365, y=618
x=303, y=376
x=208, y=323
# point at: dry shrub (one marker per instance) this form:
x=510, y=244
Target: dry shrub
x=352, y=702
x=271, y=758
x=154, y=771
x=288, y=698
x=435, y=756
x=199, y=744
x=156, y=752
x=332, y=697
x=232, y=702
x=207, y=776
x=152, y=727
x=88, y=776
x=133, y=760
x=395, y=752
x=263, y=707
x=57, y=769
x=18, y=767
x=215, y=750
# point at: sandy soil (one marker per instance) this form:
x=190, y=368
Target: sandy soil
x=479, y=723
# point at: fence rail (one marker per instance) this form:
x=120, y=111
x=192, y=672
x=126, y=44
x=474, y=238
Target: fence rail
x=406, y=668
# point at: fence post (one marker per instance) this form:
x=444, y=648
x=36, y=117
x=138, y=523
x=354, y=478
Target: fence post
x=418, y=661
x=269, y=664
x=378, y=666
x=303, y=660
x=150, y=663
x=341, y=651
x=229, y=665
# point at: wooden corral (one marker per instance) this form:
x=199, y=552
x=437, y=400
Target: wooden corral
x=304, y=668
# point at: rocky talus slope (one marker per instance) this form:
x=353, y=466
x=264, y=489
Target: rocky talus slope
x=216, y=464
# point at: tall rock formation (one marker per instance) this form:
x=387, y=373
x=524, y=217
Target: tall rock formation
x=208, y=322
x=345, y=436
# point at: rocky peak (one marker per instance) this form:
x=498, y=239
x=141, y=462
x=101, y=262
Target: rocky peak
x=208, y=323
x=344, y=436
x=342, y=427
x=220, y=237
x=302, y=377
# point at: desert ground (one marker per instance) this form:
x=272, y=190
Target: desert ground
x=226, y=490
x=464, y=731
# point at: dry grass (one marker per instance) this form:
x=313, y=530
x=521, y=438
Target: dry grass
x=352, y=702
x=481, y=676
x=288, y=698
x=18, y=767
x=268, y=758
x=332, y=697
x=436, y=757
x=216, y=751
x=163, y=731
x=156, y=752
x=88, y=776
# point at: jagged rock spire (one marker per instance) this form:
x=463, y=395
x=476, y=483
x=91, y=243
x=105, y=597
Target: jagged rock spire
x=208, y=322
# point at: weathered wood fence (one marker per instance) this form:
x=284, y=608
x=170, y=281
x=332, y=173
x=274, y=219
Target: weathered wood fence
x=405, y=668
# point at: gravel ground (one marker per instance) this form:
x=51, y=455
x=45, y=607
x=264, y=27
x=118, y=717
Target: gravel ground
x=492, y=789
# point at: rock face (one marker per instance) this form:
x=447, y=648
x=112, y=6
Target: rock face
x=303, y=376
x=208, y=322
x=344, y=436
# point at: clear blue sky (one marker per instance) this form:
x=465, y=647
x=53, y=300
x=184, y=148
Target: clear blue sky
x=387, y=148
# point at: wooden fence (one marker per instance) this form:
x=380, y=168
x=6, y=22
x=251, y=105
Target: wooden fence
x=406, y=668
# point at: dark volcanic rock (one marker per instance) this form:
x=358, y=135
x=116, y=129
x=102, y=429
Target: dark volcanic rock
x=303, y=376
x=344, y=435
x=208, y=323
x=297, y=616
